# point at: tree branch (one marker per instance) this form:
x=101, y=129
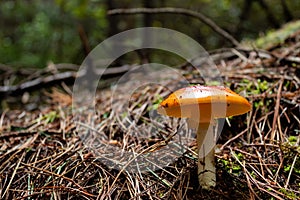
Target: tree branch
x=182, y=11
x=69, y=76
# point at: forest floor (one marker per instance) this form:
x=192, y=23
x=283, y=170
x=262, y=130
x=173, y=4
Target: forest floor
x=43, y=154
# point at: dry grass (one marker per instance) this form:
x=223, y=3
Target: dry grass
x=42, y=155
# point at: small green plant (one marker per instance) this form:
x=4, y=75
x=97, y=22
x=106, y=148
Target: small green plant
x=157, y=100
x=291, y=151
x=292, y=139
x=230, y=166
x=257, y=88
x=254, y=88
x=290, y=194
x=49, y=117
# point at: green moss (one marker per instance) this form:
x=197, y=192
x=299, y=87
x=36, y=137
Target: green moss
x=255, y=89
x=290, y=194
x=274, y=37
x=232, y=167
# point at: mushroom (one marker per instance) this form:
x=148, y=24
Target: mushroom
x=202, y=105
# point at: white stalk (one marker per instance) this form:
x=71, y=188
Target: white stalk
x=206, y=142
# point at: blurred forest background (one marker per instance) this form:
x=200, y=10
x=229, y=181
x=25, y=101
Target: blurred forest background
x=35, y=32
x=42, y=155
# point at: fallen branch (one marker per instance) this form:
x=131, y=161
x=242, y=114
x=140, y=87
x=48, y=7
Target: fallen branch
x=182, y=11
x=69, y=76
x=36, y=83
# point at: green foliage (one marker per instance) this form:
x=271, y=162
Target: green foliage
x=35, y=32
x=157, y=100
x=43, y=32
x=257, y=88
x=289, y=194
x=293, y=139
x=49, y=117
x=232, y=166
x=291, y=151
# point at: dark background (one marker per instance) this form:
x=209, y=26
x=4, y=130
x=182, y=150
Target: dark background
x=35, y=32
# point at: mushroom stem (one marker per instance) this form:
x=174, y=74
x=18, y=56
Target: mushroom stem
x=206, y=155
x=206, y=142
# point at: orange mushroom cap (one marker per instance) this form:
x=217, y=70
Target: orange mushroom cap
x=204, y=103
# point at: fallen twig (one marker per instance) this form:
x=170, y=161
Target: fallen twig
x=57, y=78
